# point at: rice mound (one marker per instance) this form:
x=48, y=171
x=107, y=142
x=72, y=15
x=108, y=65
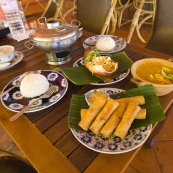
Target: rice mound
x=34, y=85
x=105, y=44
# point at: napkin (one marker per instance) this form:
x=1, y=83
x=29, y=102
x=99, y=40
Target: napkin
x=21, y=36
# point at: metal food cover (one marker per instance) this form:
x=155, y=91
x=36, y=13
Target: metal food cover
x=59, y=33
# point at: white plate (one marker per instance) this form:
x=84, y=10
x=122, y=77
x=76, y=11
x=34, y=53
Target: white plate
x=123, y=75
x=91, y=41
x=18, y=56
x=15, y=102
x=113, y=144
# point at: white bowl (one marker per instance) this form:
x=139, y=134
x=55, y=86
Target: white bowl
x=89, y=99
x=6, y=53
x=161, y=89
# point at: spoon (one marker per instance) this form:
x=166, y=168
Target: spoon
x=17, y=83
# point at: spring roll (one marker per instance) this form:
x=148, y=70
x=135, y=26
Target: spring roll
x=141, y=114
x=139, y=100
x=83, y=112
x=113, y=121
x=103, y=116
x=127, y=119
x=92, y=112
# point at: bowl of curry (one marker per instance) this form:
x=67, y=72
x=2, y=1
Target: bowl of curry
x=155, y=71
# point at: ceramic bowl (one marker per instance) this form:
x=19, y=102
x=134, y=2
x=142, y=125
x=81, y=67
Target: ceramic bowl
x=6, y=53
x=91, y=95
x=161, y=89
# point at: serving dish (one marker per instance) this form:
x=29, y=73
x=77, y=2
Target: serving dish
x=51, y=37
x=18, y=56
x=113, y=144
x=154, y=114
x=80, y=75
x=14, y=101
x=116, y=79
x=91, y=41
x=161, y=89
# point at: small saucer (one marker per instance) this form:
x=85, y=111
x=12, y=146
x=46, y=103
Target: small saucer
x=18, y=56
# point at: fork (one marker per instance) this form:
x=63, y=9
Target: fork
x=47, y=94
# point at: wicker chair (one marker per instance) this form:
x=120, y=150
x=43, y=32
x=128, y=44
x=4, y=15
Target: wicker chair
x=50, y=9
x=91, y=17
x=162, y=33
x=120, y=7
x=12, y=163
x=28, y=3
x=97, y=20
x=145, y=10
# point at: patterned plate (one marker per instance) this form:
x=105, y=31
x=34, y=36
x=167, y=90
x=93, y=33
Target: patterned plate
x=123, y=75
x=18, y=56
x=91, y=42
x=14, y=101
x=113, y=144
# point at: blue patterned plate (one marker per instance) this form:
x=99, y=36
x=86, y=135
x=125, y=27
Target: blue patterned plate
x=123, y=75
x=15, y=102
x=113, y=144
x=91, y=41
x=18, y=56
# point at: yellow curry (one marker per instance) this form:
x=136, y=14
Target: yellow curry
x=155, y=72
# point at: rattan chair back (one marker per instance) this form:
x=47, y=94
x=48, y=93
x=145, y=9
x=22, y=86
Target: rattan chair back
x=162, y=33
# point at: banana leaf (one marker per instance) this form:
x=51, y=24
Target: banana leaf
x=152, y=105
x=80, y=75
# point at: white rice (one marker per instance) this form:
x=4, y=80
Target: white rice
x=105, y=44
x=34, y=85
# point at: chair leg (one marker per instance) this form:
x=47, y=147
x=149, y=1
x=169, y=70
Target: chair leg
x=113, y=22
x=26, y=6
x=135, y=20
x=74, y=11
x=133, y=24
x=58, y=13
x=47, y=7
x=120, y=15
x=107, y=22
x=138, y=26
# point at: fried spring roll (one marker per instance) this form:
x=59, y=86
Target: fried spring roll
x=92, y=112
x=139, y=100
x=141, y=114
x=127, y=119
x=113, y=121
x=83, y=112
x=103, y=116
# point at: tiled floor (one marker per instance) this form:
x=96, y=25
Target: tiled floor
x=158, y=159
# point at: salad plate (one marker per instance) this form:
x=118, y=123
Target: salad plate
x=14, y=101
x=18, y=56
x=118, y=78
x=91, y=42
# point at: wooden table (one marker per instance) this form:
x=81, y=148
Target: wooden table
x=44, y=136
